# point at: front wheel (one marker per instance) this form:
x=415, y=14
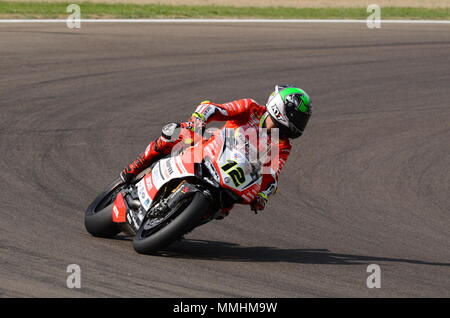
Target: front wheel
x=147, y=242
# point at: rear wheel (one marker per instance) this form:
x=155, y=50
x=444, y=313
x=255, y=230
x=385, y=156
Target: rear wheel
x=152, y=239
x=98, y=216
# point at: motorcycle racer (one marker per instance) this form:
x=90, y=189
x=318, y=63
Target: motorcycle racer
x=288, y=109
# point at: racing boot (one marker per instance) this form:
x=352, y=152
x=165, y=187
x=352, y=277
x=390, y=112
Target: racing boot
x=143, y=161
x=157, y=149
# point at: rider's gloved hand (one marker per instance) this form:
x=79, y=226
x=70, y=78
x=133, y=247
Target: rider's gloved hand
x=259, y=203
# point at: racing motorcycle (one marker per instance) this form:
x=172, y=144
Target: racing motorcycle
x=178, y=193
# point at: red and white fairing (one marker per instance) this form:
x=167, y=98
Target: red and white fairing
x=119, y=209
x=163, y=171
x=248, y=186
x=182, y=166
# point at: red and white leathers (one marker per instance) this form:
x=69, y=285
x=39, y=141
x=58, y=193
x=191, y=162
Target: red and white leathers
x=244, y=114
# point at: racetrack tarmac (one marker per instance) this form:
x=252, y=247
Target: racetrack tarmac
x=368, y=183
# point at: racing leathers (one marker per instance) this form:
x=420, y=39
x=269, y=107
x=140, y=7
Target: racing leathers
x=244, y=114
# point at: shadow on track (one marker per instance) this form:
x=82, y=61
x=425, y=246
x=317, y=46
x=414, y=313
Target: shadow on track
x=221, y=251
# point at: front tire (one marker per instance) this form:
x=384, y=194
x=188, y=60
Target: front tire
x=98, y=216
x=180, y=225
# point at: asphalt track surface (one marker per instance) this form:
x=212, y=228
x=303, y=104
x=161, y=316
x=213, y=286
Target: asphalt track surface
x=368, y=183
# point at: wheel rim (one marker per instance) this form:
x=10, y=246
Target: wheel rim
x=144, y=233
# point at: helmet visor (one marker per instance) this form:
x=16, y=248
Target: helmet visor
x=297, y=124
x=283, y=131
x=298, y=120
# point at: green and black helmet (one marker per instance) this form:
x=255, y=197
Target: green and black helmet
x=290, y=108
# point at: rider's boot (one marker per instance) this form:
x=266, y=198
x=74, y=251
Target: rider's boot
x=158, y=148
x=144, y=160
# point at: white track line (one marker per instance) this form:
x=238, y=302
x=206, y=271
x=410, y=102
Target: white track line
x=220, y=21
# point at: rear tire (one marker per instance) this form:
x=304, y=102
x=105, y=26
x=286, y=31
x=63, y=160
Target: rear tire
x=183, y=223
x=98, y=216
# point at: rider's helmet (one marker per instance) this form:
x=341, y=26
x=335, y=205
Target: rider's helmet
x=290, y=109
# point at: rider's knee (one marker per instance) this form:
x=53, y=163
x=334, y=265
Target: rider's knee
x=170, y=132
